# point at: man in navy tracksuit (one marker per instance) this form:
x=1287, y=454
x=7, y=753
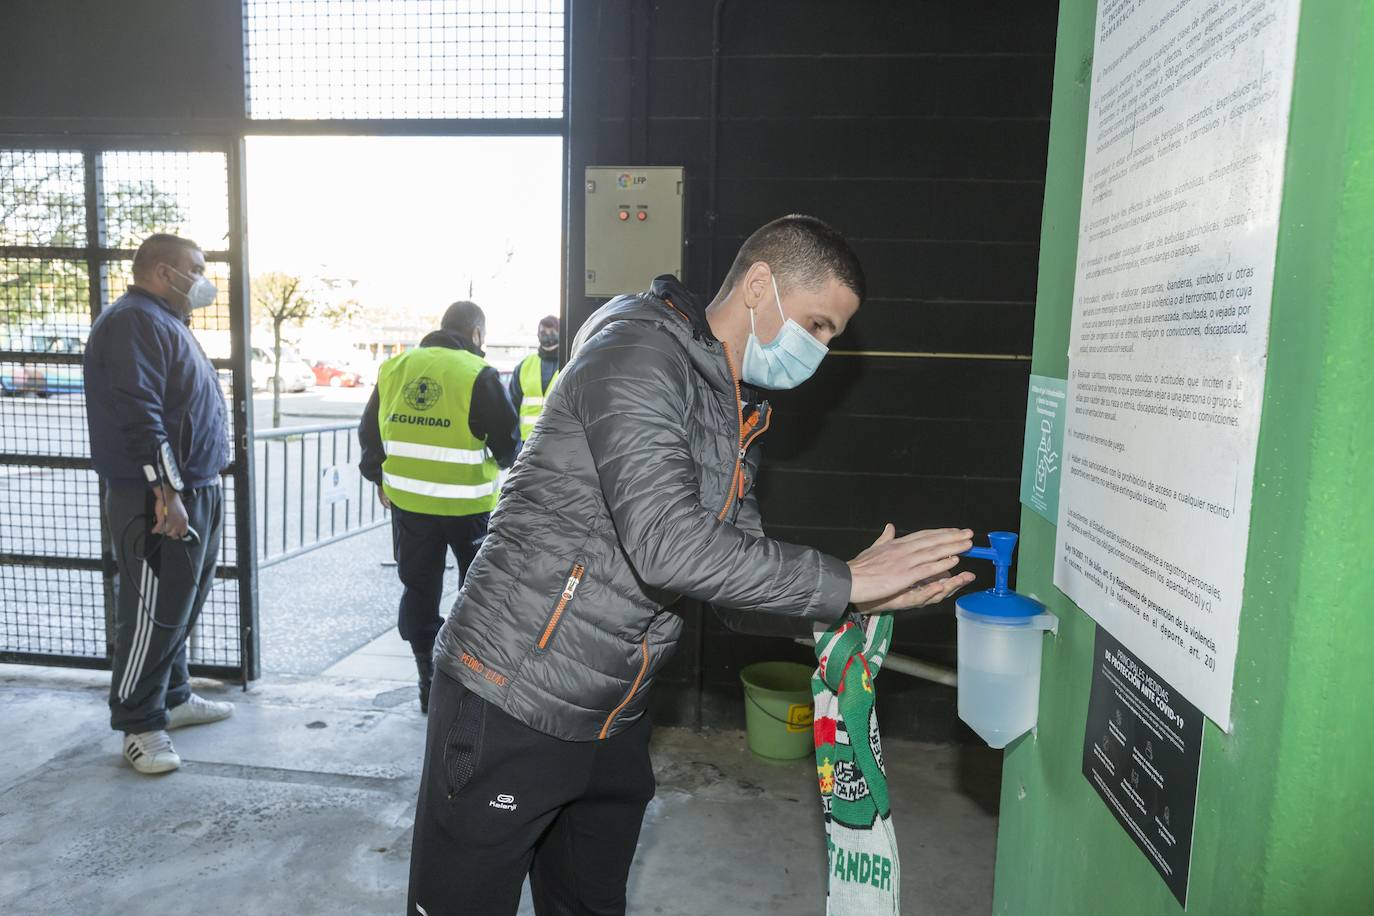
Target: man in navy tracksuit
x=159, y=442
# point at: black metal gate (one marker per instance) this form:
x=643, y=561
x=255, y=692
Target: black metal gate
x=72, y=214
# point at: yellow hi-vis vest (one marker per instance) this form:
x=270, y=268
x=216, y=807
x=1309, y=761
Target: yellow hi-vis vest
x=532, y=394
x=434, y=464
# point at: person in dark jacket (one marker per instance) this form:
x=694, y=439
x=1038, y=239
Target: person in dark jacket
x=532, y=379
x=635, y=489
x=435, y=434
x=159, y=441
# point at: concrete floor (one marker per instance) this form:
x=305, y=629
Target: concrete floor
x=303, y=803
x=317, y=608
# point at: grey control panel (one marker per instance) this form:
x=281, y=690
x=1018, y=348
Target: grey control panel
x=634, y=227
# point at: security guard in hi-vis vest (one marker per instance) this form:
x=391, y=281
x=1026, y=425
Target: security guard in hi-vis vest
x=435, y=435
x=535, y=377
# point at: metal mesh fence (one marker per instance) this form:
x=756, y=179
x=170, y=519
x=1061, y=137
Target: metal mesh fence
x=49, y=611
x=43, y=413
x=55, y=561
x=216, y=638
x=142, y=192
x=42, y=198
x=44, y=512
x=45, y=305
x=351, y=59
x=229, y=547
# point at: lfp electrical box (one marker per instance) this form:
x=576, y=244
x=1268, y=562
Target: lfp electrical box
x=634, y=227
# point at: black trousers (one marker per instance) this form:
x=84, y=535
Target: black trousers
x=160, y=586
x=420, y=543
x=499, y=801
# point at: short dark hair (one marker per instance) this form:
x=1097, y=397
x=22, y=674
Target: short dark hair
x=463, y=318
x=801, y=250
x=549, y=321
x=160, y=248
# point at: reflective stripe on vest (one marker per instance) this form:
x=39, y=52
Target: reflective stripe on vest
x=442, y=490
x=434, y=464
x=532, y=398
x=436, y=452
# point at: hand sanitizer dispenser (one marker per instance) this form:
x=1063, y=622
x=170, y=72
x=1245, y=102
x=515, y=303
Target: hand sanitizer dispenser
x=999, y=651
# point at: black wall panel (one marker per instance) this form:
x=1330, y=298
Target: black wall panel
x=117, y=64
x=917, y=128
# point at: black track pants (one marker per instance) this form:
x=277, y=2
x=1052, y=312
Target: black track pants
x=160, y=585
x=421, y=542
x=499, y=800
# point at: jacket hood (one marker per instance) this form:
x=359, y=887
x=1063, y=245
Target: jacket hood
x=678, y=310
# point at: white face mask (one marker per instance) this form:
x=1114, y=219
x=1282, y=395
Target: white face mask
x=785, y=362
x=201, y=292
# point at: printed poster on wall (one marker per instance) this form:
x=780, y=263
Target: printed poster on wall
x=1187, y=132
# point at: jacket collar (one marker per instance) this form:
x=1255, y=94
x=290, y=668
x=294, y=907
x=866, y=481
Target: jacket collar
x=685, y=303
x=160, y=302
x=451, y=340
x=683, y=314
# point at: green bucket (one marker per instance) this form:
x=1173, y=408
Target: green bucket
x=777, y=709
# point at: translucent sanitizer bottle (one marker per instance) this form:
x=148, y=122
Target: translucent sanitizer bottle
x=999, y=651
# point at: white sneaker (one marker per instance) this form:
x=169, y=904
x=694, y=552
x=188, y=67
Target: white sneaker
x=197, y=711
x=151, y=752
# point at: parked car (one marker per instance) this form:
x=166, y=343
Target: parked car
x=335, y=376
x=296, y=374
x=42, y=380
x=39, y=378
x=365, y=369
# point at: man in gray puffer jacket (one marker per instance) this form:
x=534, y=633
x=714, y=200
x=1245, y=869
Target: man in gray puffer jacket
x=634, y=490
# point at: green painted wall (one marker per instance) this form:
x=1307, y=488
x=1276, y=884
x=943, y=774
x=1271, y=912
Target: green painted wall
x=1285, y=820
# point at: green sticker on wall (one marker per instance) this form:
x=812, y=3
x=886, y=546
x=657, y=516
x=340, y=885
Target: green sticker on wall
x=1040, y=458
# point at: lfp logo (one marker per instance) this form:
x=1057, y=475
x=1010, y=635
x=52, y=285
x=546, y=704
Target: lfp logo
x=626, y=180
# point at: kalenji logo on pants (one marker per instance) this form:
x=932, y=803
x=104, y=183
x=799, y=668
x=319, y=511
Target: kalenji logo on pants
x=504, y=802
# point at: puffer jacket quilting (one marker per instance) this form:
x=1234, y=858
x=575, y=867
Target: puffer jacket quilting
x=624, y=499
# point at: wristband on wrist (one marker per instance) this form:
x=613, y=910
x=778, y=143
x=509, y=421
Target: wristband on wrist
x=164, y=470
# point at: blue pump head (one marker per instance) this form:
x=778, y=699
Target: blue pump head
x=999, y=601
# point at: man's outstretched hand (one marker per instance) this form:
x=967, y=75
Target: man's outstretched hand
x=909, y=571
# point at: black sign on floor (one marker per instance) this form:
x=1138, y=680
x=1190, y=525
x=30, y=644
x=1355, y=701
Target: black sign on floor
x=1141, y=752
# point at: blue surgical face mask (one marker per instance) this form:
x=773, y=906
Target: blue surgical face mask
x=788, y=360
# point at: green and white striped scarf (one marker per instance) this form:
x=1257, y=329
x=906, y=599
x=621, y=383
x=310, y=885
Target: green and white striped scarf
x=864, y=873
